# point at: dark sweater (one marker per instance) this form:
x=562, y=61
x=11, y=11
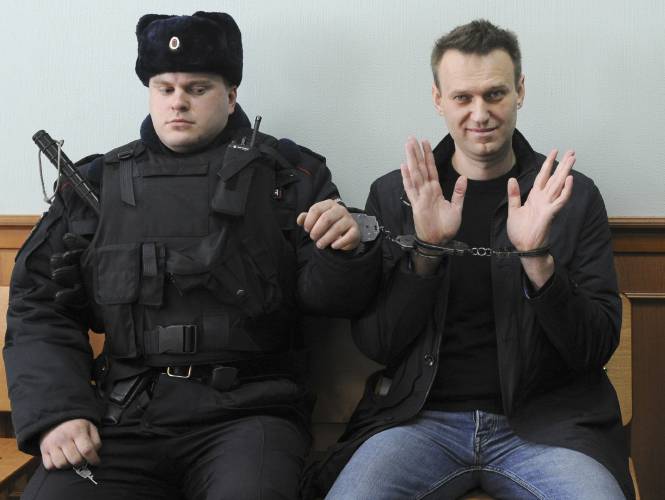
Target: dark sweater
x=468, y=375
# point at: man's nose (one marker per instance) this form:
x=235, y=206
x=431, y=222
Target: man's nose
x=480, y=111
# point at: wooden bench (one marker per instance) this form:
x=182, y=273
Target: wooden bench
x=339, y=370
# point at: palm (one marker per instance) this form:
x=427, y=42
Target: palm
x=529, y=225
x=436, y=219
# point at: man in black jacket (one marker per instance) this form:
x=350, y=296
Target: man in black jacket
x=211, y=237
x=494, y=355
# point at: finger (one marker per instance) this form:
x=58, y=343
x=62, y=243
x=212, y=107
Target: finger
x=407, y=182
x=459, y=191
x=72, y=454
x=58, y=459
x=300, y=220
x=430, y=163
x=325, y=220
x=94, y=437
x=46, y=460
x=348, y=241
x=333, y=232
x=556, y=182
x=86, y=449
x=566, y=192
x=514, y=199
x=413, y=164
x=544, y=174
x=315, y=213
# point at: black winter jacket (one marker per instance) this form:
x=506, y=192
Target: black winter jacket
x=551, y=348
x=47, y=354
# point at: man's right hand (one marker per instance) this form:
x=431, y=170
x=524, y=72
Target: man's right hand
x=436, y=219
x=70, y=443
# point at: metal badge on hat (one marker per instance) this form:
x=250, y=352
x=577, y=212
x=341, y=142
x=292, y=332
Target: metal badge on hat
x=174, y=43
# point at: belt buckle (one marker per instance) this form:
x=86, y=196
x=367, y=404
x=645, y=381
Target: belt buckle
x=171, y=372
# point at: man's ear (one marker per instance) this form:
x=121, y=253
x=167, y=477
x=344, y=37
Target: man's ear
x=521, y=91
x=437, y=99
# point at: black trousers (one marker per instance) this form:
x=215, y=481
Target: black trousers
x=257, y=457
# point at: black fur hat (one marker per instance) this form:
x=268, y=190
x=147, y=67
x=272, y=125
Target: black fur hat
x=206, y=42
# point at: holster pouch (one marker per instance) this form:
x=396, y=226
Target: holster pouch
x=223, y=378
x=121, y=396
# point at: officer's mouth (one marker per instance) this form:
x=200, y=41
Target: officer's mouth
x=180, y=123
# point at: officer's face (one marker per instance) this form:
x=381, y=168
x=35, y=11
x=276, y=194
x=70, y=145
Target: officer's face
x=478, y=98
x=189, y=110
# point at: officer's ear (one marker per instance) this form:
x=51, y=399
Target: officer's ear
x=232, y=95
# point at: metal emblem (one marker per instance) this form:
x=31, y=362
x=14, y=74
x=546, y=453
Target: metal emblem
x=174, y=43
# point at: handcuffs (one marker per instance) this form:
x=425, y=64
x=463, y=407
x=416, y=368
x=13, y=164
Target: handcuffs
x=370, y=230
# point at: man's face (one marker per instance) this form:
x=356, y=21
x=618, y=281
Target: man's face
x=189, y=110
x=478, y=98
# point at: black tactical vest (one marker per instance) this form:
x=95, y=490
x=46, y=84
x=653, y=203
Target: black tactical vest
x=192, y=262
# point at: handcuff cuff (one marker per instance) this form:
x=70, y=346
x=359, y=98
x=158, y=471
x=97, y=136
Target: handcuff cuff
x=370, y=230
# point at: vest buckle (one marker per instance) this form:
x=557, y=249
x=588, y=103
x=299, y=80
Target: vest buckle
x=179, y=371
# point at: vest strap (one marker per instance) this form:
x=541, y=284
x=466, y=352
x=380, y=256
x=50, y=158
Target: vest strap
x=126, y=174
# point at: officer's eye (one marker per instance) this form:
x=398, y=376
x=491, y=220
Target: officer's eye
x=165, y=90
x=461, y=98
x=199, y=90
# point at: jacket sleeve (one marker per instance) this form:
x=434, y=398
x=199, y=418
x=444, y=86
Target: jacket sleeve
x=405, y=302
x=331, y=282
x=580, y=309
x=47, y=354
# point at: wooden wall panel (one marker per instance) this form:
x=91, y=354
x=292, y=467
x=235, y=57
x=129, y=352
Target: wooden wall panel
x=639, y=247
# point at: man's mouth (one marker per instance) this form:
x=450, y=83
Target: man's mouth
x=485, y=130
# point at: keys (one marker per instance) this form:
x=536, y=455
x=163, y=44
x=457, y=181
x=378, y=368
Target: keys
x=83, y=471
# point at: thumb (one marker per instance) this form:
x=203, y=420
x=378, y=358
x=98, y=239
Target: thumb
x=457, y=197
x=301, y=218
x=514, y=200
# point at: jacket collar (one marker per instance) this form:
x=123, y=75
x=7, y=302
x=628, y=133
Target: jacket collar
x=237, y=120
x=524, y=154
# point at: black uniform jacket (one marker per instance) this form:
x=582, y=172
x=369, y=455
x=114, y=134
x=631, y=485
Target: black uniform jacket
x=551, y=348
x=47, y=354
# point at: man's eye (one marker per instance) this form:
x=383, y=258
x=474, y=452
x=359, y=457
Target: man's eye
x=165, y=90
x=199, y=90
x=495, y=95
x=461, y=98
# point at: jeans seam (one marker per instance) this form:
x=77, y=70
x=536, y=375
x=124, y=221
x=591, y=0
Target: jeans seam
x=445, y=480
x=524, y=484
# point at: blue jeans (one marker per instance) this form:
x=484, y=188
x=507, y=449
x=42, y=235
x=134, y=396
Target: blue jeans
x=445, y=454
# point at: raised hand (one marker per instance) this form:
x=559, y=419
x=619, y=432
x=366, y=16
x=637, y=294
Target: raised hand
x=529, y=224
x=436, y=219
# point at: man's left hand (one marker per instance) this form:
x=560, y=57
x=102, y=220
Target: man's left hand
x=529, y=225
x=330, y=224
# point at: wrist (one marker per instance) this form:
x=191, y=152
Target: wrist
x=539, y=269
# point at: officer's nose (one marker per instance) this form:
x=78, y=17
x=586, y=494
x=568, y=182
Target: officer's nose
x=179, y=100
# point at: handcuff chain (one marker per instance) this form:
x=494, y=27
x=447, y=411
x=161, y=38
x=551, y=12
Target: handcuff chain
x=454, y=247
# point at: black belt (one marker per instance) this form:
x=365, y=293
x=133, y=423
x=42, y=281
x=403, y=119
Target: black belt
x=226, y=376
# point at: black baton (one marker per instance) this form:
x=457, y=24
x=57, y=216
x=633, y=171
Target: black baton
x=51, y=150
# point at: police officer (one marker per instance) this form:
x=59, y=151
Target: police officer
x=210, y=239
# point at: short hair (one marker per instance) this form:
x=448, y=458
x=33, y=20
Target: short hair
x=477, y=37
